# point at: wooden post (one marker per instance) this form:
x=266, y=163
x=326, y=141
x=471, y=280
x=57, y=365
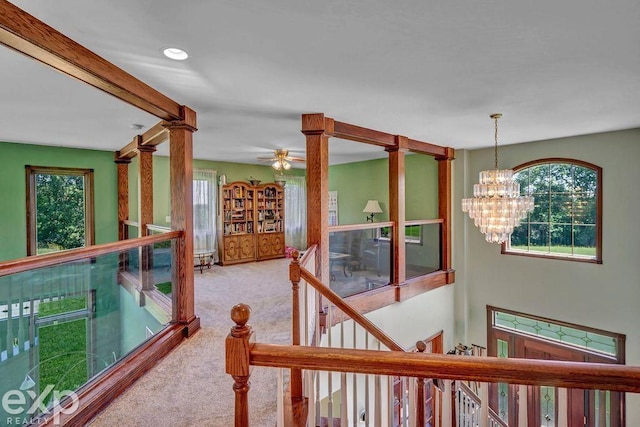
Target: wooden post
x=294, y=276
x=237, y=347
x=181, y=182
x=145, y=211
x=421, y=346
x=123, y=206
x=444, y=211
x=397, y=209
x=317, y=128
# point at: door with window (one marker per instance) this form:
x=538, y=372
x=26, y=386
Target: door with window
x=530, y=337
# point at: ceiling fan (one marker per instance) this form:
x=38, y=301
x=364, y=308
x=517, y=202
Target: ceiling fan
x=281, y=160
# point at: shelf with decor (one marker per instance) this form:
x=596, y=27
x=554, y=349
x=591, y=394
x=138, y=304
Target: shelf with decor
x=252, y=222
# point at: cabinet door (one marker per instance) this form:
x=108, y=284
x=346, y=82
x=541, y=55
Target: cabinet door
x=247, y=246
x=277, y=244
x=231, y=248
x=264, y=245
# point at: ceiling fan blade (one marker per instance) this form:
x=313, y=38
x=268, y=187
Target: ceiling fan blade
x=295, y=159
x=267, y=159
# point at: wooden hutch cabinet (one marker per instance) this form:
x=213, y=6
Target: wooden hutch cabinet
x=252, y=222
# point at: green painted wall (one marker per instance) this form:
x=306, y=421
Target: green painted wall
x=14, y=157
x=360, y=181
x=161, y=189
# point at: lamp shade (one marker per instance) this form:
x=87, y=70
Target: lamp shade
x=372, y=207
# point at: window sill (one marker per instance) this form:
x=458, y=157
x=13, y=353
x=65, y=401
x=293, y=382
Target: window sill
x=574, y=258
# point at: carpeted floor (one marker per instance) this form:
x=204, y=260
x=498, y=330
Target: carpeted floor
x=189, y=387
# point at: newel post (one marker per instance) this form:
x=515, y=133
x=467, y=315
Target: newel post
x=237, y=352
x=294, y=276
x=421, y=346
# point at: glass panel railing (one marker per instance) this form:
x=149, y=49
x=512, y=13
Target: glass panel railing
x=359, y=260
x=422, y=242
x=63, y=325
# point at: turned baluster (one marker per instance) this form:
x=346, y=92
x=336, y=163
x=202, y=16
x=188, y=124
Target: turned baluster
x=421, y=346
x=237, y=348
x=294, y=276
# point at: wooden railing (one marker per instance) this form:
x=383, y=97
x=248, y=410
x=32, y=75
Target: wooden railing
x=242, y=353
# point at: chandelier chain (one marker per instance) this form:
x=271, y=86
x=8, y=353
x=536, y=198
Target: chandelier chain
x=495, y=118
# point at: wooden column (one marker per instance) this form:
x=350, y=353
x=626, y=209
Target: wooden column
x=237, y=347
x=145, y=211
x=317, y=128
x=444, y=211
x=123, y=206
x=123, y=195
x=181, y=183
x=397, y=209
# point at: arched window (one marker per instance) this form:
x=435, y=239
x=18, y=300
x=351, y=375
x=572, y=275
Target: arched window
x=567, y=220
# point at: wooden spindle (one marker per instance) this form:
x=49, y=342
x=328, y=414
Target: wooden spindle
x=237, y=348
x=421, y=346
x=294, y=276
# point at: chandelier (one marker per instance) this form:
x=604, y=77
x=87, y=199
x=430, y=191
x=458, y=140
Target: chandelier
x=496, y=206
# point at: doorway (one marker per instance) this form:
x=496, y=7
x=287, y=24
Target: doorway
x=519, y=335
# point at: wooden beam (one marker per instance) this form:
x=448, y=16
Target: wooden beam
x=427, y=148
x=24, y=33
x=156, y=135
x=360, y=134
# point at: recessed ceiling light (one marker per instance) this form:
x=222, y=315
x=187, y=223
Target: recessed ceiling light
x=175, y=53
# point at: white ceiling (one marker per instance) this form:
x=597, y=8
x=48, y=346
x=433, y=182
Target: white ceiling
x=430, y=70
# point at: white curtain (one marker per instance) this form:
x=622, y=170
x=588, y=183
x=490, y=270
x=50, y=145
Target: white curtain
x=205, y=195
x=295, y=211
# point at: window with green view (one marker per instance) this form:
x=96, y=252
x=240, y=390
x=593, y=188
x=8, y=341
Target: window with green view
x=566, y=220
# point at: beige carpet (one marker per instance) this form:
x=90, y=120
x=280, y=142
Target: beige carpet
x=189, y=387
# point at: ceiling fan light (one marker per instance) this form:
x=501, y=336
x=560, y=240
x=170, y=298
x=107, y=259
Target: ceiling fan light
x=276, y=165
x=286, y=165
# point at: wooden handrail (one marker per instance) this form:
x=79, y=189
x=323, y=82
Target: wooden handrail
x=354, y=227
x=424, y=221
x=592, y=376
x=40, y=261
x=310, y=252
x=336, y=300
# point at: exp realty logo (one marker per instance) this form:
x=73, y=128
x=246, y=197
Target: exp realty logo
x=26, y=406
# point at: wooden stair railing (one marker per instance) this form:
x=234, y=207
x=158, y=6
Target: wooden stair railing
x=242, y=353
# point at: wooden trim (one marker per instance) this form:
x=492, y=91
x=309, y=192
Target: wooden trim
x=31, y=263
x=24, y=33
x=592, y=376
x=99, y=393
x=336, y=300
x=354, y=227
x=31, y=211
x=599, y=208
x=308, y=255
x=123, y=198
x=421, y=284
